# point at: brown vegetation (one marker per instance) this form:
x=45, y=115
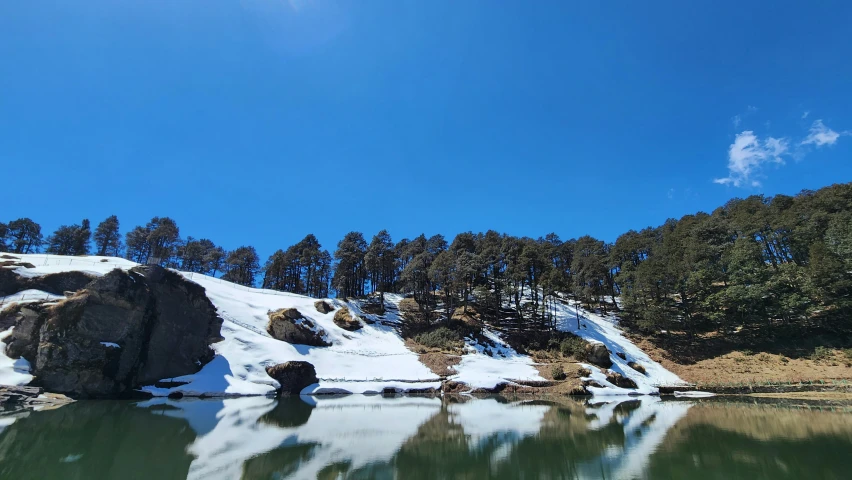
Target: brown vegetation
x=742, y=366
x=344, y=320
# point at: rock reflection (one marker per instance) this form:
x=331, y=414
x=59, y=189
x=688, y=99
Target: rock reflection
x=358, y=436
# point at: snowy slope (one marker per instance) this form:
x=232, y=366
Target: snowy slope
x=604, y=329
x=371, y=359
x=368, y=360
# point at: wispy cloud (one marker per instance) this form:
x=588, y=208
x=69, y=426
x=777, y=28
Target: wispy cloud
x=671, y=193
x=736, y=120
x=748, y=154
x=820, y=135
x=805, y=115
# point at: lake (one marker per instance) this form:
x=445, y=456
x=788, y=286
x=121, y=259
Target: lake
x=360, y=436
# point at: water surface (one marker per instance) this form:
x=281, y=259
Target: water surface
x=428, y=438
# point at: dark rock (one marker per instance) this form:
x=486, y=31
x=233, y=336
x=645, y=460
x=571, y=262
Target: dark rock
x=619, y=380
x=163, y=326
x=621, y=355
x=598, y=354
x=302, y=331
x=323, y=307
x=55, y=283
x=344, y=320
x=293, y=376
x=636, y=366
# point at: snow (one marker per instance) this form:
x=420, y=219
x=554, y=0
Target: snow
x=478, y=369
x=368, y=360
x=604, y=329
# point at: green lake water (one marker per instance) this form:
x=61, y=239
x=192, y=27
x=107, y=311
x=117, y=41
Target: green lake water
x=429, y=438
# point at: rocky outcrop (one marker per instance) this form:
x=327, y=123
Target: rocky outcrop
x=55, y=283
x=289, y=325
x=323, y=307
x=293, y=376
x=123, y=331
x=598, y=354
x=619, y=380
x=344, y=320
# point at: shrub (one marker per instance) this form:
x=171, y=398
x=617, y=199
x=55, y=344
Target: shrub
x=441, y=337
x=848, y=353
x=784, y=359
x=558, y=372
x=748, y=352
x=821, y=353
x=573, y=346
x=763, y=357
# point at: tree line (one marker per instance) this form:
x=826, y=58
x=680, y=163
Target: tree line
x=782, y=260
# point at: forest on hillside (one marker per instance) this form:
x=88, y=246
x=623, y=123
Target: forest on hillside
x=782, y=262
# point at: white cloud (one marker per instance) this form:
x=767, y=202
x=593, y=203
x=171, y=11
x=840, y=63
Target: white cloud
x=820, y=135
x=747, y=155
x=805, y=115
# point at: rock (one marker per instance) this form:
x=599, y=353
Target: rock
x=293, y=376
x=161, y=324
x=323, y=307
x=598, y=354
x=55, y=283
x=619, y=380
x=621, y=355
x=344, y=320
x=12, y=396
x=583, y=372
x=300, y=330
x=636, y=366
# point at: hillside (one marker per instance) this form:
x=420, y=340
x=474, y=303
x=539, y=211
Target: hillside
x=373, y=359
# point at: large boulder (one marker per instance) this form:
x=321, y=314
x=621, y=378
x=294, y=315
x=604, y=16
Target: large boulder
x=289, y=325
x=598, y=354
x=293, y=376
x=323, y=307
x=123, y=331
x=344, y=320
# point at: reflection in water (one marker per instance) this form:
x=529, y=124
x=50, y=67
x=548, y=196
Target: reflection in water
x=423, y=438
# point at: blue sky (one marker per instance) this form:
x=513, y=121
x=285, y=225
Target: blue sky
x=259, y=121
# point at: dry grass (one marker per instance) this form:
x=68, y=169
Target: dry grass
x=741, y=367
x=441, y=364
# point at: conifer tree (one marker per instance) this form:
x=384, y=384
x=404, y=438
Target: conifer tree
x=107, y=237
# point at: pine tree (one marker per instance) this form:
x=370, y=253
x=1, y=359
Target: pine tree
x=380, y=261
x=107, y=237
x=24, y=236
x=242, y=266
x=4, y=232
x=62, y=241
x=350, y=273
x=138, y=249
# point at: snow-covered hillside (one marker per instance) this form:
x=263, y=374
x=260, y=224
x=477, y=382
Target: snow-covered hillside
x=371, y=359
